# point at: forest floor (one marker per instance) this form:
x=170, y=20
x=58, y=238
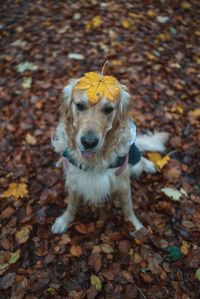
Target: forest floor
x=153, y=48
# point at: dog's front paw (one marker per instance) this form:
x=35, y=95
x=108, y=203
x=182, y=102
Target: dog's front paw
x=60, y=225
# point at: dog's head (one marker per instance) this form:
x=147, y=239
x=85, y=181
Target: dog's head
x=91, y=127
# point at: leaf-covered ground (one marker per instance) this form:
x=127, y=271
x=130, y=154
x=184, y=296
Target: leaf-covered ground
x=153, y=48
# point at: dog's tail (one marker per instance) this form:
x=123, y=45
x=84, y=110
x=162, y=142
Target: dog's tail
x=153, y=143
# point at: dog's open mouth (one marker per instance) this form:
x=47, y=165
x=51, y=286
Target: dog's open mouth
x=88, y=154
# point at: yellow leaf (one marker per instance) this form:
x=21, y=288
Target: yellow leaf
x=159, y=161
x=185, y=247
x=197, y=32
x=23, y=234
x=177, y=109
x=94, y=23
x=16, y=190
x=196, y=112
x=96, y=282
x=185, y=5
x=126, y=23
x=98, y=86
x=151, y=13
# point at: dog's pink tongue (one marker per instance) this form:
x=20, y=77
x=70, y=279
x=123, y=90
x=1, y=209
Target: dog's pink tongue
x=88, y=155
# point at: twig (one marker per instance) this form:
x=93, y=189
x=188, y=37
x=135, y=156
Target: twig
x=172, y=152
x=141, y=292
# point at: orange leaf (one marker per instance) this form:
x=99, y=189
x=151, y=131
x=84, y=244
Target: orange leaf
x=76, y=250
x=158, y=160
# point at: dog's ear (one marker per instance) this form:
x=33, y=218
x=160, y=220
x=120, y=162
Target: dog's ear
x=124, y=102
x=67, y=97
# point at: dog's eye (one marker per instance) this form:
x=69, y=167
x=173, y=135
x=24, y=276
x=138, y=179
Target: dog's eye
x=108, y=110
x=80, y=106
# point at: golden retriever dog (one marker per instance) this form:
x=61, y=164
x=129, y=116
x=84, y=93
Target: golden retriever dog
x=100, y=151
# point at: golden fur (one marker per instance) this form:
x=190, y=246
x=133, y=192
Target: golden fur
x=113, y=130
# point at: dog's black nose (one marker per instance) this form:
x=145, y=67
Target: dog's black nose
x=89, y=140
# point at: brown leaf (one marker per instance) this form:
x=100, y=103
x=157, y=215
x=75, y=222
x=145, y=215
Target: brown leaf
x=7, y=280
x=81, y=228
x=7, y=213
x=94, y=261
x=23, y=234
x=76, y=250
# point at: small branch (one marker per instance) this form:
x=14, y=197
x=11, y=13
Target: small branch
x=141, y=292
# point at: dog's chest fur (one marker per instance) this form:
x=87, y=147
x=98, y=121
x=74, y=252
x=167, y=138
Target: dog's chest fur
x=93, y=185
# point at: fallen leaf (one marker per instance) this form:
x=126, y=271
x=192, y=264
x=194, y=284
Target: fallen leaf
x=185, y=247
x=30, y=139
x=14, y=256
x=26, y=66
x=174, y=253
x=7, y=213
x=185, y=5
x=23, y=234
x=94, y=23
x=26, y=83
x=7, y=281
x=106, y=248
x=76, y=56
x=16, y=190
x=174, y=194
x=197, y=275
x=158, y=160
x=177, y=109
x=96, y=282
x=126, y=23
x=81, y=228
x=98, y=86
x=162, y=19
x=76, y=250
x=196, y=112
x=151, y=13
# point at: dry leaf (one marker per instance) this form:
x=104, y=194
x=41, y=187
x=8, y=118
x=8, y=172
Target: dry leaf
x=96, y=282
x=106, y=248
x=94, y=23
x=185, y=247
x=98, y=86
x=26, y=83
x=76, y=250
x=81, y=228
x=174, y=194
x=126, y=23
x=196, y=112
x=16, y=190
x=30, y=139
x=158, y=160
x=23, y=234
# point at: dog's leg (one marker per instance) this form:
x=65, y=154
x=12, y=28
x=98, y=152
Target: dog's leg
x=61, y=223
x=129, y=215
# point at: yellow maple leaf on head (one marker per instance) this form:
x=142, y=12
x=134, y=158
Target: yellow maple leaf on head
x=98, y=86
x=16, y=190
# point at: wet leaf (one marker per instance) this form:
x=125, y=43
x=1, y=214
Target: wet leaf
x=96, y=282
x=16, y=190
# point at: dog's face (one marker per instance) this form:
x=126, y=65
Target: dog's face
x=92, y=122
